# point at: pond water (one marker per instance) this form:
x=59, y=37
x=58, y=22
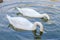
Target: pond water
x=51, y=31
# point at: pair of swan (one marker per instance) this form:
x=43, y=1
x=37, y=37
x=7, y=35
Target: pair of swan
x=23, y=23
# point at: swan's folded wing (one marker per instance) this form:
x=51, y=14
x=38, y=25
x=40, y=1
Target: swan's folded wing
x=29, y=12
x=21, y=23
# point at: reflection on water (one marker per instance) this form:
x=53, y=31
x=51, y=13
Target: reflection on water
x=37, y=37
x=51, y=32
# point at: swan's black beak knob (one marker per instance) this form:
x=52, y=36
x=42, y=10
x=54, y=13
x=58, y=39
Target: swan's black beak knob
x=41, y=33
x=44, y=19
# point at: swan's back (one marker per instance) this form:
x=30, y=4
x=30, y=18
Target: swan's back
x=20, y=23
x=28, y=12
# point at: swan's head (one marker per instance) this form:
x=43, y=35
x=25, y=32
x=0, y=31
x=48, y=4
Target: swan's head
x=41, y=28
x=45, y=17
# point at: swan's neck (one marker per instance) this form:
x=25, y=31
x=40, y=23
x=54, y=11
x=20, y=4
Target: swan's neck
x=40, y=16
x=40, y=25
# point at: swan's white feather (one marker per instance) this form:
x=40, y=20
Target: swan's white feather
x=28, y=12
x=20, y=23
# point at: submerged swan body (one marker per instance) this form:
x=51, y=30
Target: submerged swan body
x=32, y=13
x=23, y=23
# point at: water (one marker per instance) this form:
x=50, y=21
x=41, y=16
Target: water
x=51, y=31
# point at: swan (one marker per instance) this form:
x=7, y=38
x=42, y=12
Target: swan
x=29, y=12
x=24, y=24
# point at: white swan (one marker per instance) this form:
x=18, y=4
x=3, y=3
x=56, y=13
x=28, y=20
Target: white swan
x=32, y=13
x=24, y=24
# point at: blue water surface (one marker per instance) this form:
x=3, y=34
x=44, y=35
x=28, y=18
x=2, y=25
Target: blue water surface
x=51, y=32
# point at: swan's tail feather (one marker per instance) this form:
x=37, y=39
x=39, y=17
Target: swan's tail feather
x=8, y=17
x=17, y=8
